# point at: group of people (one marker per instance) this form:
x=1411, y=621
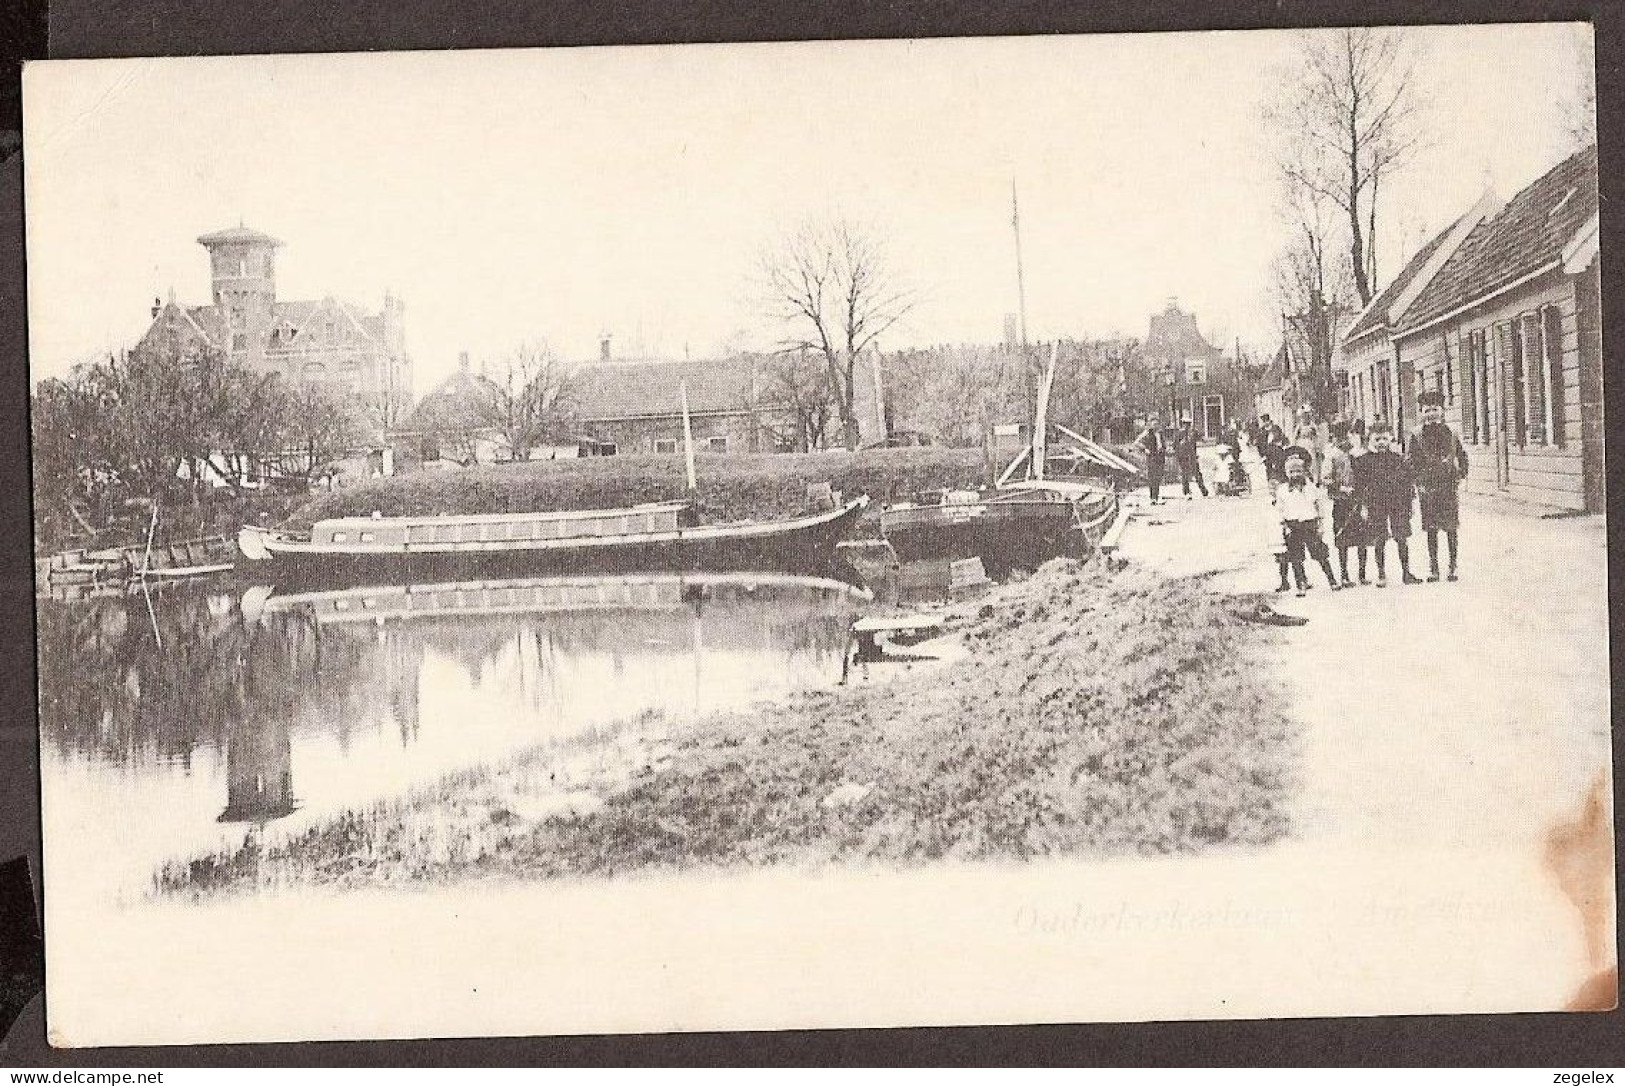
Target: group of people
x=1158, y=444
x=1367, y=487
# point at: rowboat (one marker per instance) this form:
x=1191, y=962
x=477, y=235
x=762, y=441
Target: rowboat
x=642, y=538
x=1006, y=529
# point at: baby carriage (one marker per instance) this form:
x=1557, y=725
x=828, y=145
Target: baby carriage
x=1233, y=480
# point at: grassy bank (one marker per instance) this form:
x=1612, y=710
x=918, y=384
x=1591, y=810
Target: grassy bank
x=731, y=486
x=1097, y=713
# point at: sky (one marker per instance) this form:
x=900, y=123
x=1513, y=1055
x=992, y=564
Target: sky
x=520, y=195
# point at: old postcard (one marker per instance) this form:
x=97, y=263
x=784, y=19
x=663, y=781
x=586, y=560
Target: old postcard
x=775, y=536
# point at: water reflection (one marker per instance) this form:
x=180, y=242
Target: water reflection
x=170, y=723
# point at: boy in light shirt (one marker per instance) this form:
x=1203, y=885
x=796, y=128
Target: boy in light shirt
x=1302, y=506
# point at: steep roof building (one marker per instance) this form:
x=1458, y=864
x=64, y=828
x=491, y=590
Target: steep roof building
x=355, y=352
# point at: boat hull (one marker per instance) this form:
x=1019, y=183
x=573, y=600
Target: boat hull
x=1005, y=534
x=806, y=545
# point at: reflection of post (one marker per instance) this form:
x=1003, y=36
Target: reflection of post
x=699, y=651
x=259, y=770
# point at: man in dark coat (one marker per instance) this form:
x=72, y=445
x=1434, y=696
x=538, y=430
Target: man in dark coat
x=1190, y=461
x=1385, y=489
x=1272, y=451
x=1155, y=446
x=1440, y=464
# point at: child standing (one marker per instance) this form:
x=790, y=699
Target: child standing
x=1347, y=525
x=1301, y=505
x=1440, y=464
x=1383, y=483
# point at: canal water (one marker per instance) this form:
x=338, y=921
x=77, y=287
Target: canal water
x=178, y=722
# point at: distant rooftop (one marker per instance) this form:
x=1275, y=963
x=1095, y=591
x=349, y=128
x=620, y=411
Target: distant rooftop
x=237, y=235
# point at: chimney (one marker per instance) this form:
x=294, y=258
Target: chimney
x=603, y=347
x=462, y=361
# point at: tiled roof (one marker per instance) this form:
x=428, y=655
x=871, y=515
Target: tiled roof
x=1527, y=234
x=213, y=323
x=451, y=405
x=209, y=318
x=1375, y=315
x=618, y=390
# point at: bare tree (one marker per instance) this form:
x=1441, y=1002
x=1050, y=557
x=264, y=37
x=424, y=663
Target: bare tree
x=1313, y=287
x=956, y=394
x=323, y=425
x=527, y=398
x=1348, y=117
x=829, y=283
x=798, y=385
x=1578, y=108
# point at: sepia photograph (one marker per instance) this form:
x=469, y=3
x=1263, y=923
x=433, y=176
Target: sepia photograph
x=715, y=537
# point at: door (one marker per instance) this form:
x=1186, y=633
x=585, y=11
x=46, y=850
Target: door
x=1212, y=417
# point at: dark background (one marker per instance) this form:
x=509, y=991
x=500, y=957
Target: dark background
x=106, y=28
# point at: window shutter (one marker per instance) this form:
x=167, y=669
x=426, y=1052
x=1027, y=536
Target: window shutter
x=1507, y=375
x=1450, y=366
x=1469, y=388
x=1534, y=377
x=1552, y=343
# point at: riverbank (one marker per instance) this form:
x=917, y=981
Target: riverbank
x=733, y=486
x=1095, y=714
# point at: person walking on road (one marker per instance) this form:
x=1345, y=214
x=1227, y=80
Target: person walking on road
x=1311, y=435
x=1155, y=446
x=1272, y=450
x=1440, y=464
x=1190, y=461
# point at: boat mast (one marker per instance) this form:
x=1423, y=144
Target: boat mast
x=688, y=437
x=1021, y=309
x=1041, y=415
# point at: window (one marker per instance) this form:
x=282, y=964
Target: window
x=716, y=444
x=1481, y=385
x=340, y=537
x=1551, y=339
x=1196, y=371
x=665, y=444
x=369, y=537
x=607, y=448
x=239, y=342
x=1534, y=378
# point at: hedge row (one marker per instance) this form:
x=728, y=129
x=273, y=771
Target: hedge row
x=732, y=486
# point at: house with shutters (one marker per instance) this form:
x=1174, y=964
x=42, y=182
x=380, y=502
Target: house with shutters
x=356, y=353
x=636, y=405
x=1372, y=384
x=1504, y=320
